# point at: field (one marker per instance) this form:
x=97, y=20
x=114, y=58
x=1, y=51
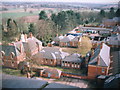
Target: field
x=19, y=13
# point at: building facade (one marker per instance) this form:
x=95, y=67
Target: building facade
x=99, y=63
x=12, y=55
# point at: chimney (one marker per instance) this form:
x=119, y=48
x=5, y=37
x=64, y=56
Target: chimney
x=30, y=35
x=38, y=46
x=21, y=50
x=92, y=52
x=98, y=60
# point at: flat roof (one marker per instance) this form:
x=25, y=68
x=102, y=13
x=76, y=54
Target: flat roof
x=57, y=85
x=11, y=81
x=96, y=28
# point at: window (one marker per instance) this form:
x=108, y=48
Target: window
x=12, y=55
x=51, y=61
x=46, y=60
x=62, y=63
x=68, y=64
x=78, y=65
x=65, y=64
x=103, y=70
x=72, y=64
x=75, y=65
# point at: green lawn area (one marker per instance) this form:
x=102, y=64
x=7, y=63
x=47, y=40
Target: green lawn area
x=75, y=71
x=18, y=14
x=12, y=72
x=15, y=15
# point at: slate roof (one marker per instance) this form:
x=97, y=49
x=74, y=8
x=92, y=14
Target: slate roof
x=9, y=48
x=57, y=85
x=116, y=19
x=53, y=53
x=116, y=29
x=10, y=81
x=58, y=38
x=48, y=55
x=67, y=38
x=73, y=58
x=114, y=39
x=31, y=44
x=75, y=39
x=104, y=54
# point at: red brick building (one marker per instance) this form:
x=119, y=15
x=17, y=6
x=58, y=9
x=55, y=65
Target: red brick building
x=12, y=55
x=32, y=46
x=72, y=61
x=99, y=63
x=50, y=56
x=51, y=73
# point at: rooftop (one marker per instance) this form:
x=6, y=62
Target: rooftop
x=104, y=54
x=10, y=81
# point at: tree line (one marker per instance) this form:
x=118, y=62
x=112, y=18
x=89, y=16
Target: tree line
x=47, y=27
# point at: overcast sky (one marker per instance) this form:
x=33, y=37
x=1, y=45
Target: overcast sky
x=84, y=1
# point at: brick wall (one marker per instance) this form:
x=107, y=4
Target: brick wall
x=74, y=76
x=70, y=65
x=51, y=75
x=13, y=62
x=93, y=71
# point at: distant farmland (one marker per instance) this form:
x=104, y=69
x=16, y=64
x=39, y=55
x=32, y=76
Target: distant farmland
x=18, y=13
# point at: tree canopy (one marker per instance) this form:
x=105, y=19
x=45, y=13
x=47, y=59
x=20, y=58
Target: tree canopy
x=43, y=15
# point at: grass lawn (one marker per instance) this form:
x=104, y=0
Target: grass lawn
x=12, y=72
x=75, y=71
x=17, y=14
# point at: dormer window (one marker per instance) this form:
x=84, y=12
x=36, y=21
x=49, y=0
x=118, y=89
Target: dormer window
x=12, y=55
x=2, y=54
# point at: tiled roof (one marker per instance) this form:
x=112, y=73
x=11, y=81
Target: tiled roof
x=58, y=38
x=67, y=38
x=8, y=49
x=16, y=48
x=114, y=39
x=75, y=39
x=104, y=54
x=116, y=19
x=73, y=58
x=31, y=44
x=53, y=53
x=116, y=29
x=48, y=55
